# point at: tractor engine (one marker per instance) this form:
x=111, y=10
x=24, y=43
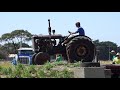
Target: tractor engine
x=46, y=45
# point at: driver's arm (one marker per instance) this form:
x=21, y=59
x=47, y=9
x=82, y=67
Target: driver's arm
x=73, y=32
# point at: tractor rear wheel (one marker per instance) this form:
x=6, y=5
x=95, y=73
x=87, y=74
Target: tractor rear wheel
x=41, y=58
x=80, y=48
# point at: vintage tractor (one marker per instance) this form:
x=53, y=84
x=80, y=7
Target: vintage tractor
x=75, y=48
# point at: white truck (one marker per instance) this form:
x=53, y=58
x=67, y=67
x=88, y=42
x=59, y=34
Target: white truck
x=24, y=56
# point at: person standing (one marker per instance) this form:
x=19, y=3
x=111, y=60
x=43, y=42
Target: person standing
x=113, y=54
x=116, y=60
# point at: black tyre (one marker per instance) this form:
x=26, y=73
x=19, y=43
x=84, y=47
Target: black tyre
x=80, y=48
x=41, y=58
x=33, y=59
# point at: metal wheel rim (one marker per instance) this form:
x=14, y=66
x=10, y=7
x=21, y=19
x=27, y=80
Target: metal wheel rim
x=81, y=50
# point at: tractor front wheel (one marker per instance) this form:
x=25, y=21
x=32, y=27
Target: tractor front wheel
x=41, y=58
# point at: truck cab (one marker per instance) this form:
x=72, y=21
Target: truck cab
x=24, y=56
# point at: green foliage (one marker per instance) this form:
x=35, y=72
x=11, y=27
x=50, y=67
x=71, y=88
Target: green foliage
x=104, y=48
x=22, y=34
x=6, y=37
x=41, y=73
x=33, y=71
x=6, y=71
x=18, y=70
x=47, y=66
x=2, y=56
x=77, y=64
x=59, y=63
x=26, y=73
x=65, y=74
x=12, y=40
x=1, y=70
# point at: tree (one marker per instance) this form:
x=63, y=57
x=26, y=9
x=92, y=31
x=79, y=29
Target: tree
x=3, y=53
x=7, y=37
x=9, y=47
x=12, y=41
x=104, y=48
x=21, y=35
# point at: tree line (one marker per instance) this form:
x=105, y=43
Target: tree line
x=104, y=48
x=10, y=42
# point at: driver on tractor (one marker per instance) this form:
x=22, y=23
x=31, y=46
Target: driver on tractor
x=80, y=30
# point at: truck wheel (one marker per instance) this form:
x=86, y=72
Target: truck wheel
x=41, y=58
x=80, y=48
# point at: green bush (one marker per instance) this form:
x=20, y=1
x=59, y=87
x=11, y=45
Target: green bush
x=35, y=71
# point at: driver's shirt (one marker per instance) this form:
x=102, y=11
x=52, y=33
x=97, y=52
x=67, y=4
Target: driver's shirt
x=80, y=31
